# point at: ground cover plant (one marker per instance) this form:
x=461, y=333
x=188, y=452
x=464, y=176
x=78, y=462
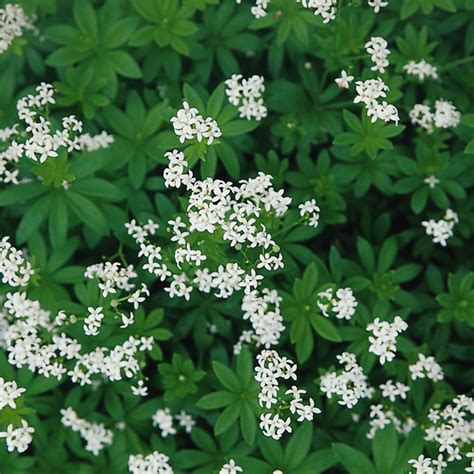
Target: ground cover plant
x=236, y=236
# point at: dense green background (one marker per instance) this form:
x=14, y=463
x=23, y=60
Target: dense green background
x=122, y=66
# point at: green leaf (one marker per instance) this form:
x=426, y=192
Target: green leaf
x=85, y=17
x=366, y=254
x=325, y=328
x=99, y=188
x=20, y=193
x=229, y=159
x=245, y=367
x=411, y=448
x=384, y=448
x=228, y=417
x=248, y=424
x=216, y=400
x=353, y=460
x=238, y=127
x=119, y=32
x=87, y=212
x=125, y=64
x=193, y=98
x=58, y=221
x=226, y=377
x=387, y=255
x=216, y=100
x=299, y=445
x=33, y=218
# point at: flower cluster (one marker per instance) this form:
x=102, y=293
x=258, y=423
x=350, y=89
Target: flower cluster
x=452, y=427
x=112, y=277
x=14, y=268
x=392, y=390
x=43, y=139
x=422, y=69
x=368, y=92
x=246, y=94
x=377, y=48
x=445, y=115
x=344, y=81
x=310, y=212
x=95, y=435
x=452, y=431
x=163, y=419
x=263, y=312
x=340, y=303
x=426, y=367
x=424, y=465
x=377, y=5
x=384, y=337
x=93, y=321
x=13, y=22
x=380, y=418
x=271, y=367
x=189, y=124
x=18, y=438
x=232, y=217
x=9, y=392
x=326, y=9
x=442, y=229
x=59, y=354
x=350, y=384
x=154, y=463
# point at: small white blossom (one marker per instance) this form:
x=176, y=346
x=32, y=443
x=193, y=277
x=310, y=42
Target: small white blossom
x=343, y=81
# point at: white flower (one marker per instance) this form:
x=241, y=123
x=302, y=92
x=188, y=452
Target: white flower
x=93, y=321
x=310, y=211
x=392, y=390
x=377, y=4
x=154, y=463
x=95, y=435
x=344, y=80
x=9, y=392
x=368, y=92
x=350, y=385
x=164, y=420
x=18, y=438
x=13, y=22
x=442, y=229
x=431, y=181
x=189, y=124
x=230, y=468
x=127, y=321
x=422, y=465
x=377, y=48
x=140, y=390
x=324, y=8
x=383, y=340
x=186, y=421
x=445, y=115
x=247, y=95
x=271, y=367
x=426, y=367
x=342, y=303
x=14, y=268
x=421, y=69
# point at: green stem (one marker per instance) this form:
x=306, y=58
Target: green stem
x=458, y=62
